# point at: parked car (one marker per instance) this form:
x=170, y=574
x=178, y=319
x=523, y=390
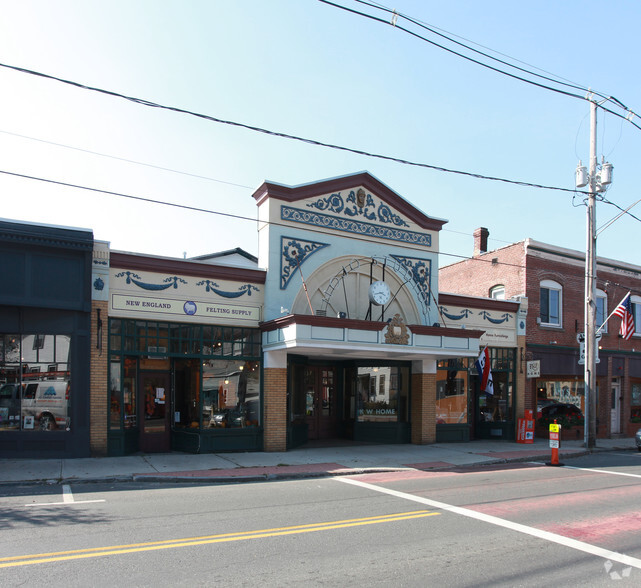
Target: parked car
x=561, y=410
x=541, y=403
x=637, y=438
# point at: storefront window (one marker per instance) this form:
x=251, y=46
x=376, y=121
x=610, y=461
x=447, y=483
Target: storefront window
x=129, y=393
x=231, y=393
x=115, y=338
x=115, y=400
x=382, y=393
x=559, y=391
x=635, y=412
x=451, y=392
x=497, y=407
x=35, y=382
x=212, y=382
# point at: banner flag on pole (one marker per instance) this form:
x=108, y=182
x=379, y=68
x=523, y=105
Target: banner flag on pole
x=483, y=369
x=624, y=310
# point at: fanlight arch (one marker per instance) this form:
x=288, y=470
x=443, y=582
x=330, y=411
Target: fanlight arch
x=340, y=288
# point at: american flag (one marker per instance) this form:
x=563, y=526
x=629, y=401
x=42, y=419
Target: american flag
x=624, y=310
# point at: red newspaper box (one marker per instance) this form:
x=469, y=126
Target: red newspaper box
x=525, y=430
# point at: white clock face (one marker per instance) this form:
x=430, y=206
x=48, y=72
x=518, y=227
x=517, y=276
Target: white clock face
x=379, y=293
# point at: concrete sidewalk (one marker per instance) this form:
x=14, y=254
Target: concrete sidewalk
x=307, y=461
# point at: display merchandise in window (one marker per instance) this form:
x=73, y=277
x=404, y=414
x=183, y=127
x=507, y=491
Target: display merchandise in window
x=35, y=382
x=451, y=395
x=382, y=394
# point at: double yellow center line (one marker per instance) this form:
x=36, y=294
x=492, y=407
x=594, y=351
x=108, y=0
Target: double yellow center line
x=39, y=558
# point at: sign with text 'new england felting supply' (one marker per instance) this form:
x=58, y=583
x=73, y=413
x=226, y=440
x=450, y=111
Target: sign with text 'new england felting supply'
x=174, y=308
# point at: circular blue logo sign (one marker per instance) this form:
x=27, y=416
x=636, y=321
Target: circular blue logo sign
x=190, y=307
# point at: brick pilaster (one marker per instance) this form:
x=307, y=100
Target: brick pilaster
x=99, y=382
x=423, y=409
x=275, y=409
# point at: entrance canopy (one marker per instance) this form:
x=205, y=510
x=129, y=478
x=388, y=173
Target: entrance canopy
x=335, y=338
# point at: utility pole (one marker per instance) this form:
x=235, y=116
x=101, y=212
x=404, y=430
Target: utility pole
x=589, y=426
x=597, y=181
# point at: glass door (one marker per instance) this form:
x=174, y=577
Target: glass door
x=319, y=387
x=615, y=408
x=155, y=429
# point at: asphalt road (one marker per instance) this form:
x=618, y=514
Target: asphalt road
x=509, y=525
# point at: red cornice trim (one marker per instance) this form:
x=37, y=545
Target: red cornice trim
x=446, y=332
x=370, y=183
x=321, y=321
x=489, y=303
x=185, y=268
x=332, y=322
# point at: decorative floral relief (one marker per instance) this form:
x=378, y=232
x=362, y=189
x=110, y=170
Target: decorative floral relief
x=333, y=203
x=325, y=221
x=464, y=314
x=213, y=287
x=133, y=278
x=293, y=253
x=420, y=270
x=503, y=318
x=483, y=314
x=357, y=204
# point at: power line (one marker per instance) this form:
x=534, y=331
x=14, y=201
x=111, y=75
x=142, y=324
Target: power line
x=122, y=195
x=434, y=31
x=431, y=26
x=286, y=135
x=194, y=208
x=175, y=171
x=489, y=259
x=629, y=113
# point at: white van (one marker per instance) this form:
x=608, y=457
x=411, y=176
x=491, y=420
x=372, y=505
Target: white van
x=10, y=406
x=47, y=402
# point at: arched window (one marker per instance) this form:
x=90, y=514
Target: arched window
x=497, y=292
x=551, y=303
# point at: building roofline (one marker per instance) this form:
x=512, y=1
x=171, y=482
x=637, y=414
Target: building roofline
x=141, y=262
x=294, y=193
x=218, y=254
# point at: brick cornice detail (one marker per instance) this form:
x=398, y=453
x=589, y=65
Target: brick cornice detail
x=487, y=303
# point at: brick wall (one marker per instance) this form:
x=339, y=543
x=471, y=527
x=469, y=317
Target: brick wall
x=476, y=276
x=522, y=273
x=99, y=383
x=275, y=409
x=423, y=408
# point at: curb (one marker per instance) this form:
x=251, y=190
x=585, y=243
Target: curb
x=232, y=479
x=212, y=478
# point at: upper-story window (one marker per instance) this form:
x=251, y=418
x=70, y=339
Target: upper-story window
x=497, y=292
x=601, y=310
x=636, y=313
x=551, y=302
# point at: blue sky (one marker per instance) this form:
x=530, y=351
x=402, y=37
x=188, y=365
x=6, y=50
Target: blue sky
x=308, y=69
